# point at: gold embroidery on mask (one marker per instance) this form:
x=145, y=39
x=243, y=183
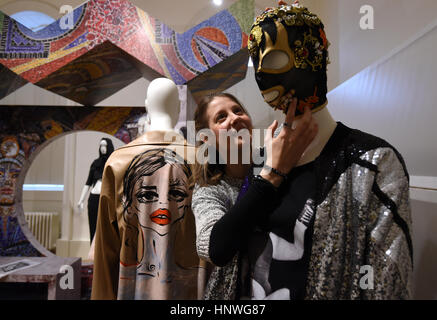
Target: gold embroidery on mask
x=309, y=53
x=280, y=45
x=255, y=40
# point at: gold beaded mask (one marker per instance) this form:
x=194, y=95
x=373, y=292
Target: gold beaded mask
x=288, y=48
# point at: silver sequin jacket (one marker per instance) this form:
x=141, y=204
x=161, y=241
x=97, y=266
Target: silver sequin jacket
x=362, y=243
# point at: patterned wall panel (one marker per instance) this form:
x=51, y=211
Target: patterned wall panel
x=85, y=52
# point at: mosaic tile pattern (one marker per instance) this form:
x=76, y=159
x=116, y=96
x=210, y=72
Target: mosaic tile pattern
x=40, y=57
x=13, y=242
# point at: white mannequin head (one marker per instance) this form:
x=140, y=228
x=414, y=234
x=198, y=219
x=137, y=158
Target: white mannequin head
x=162, y=104
x=103, y=146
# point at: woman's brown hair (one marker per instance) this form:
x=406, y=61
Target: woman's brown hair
x=208, y=174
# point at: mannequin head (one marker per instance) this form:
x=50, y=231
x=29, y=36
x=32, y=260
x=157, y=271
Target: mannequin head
x=106, y=147
x=289, y=50
x=103, y=147
x=162, y=104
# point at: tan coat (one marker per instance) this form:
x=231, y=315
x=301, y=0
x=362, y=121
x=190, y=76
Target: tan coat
x=145, y=246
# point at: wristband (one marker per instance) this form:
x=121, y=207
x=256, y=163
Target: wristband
x=277, y=172
x=265, y=181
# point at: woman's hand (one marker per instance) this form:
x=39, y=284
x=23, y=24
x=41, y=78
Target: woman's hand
x=284, y=151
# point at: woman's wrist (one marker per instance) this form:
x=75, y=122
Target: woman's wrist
x=271, y=177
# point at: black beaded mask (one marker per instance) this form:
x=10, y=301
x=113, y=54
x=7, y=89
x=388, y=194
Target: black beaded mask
x=289, y=50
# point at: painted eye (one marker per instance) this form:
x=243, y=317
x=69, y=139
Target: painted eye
x=147, y=196
x=176, y=195
x=275, y=60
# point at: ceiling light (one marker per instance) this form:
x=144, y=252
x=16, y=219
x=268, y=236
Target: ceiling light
x=217, y=2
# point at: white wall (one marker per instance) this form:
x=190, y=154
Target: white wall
x=424, y=208
x=353, y=49
x=395, y=99
x=49, y=158
x=47, y=168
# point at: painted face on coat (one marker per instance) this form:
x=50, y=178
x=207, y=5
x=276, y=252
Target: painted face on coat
x=160, y=200
x=288, y=48
x=155, y=202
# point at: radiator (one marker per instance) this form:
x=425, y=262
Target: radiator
x=45, y=227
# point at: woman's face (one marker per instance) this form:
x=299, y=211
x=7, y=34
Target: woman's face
x=159, y=200
x=9, y=173
x=225, y=114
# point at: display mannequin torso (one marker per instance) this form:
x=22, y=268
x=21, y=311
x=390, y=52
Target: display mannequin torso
x=147, y=193
x=96, y=188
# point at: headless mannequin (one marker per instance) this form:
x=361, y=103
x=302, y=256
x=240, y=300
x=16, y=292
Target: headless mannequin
x=162, y=105
x=157, y=251
x=98, y=186
x=283, y=250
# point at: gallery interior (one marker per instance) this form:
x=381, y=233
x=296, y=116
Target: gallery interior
x=75, y=72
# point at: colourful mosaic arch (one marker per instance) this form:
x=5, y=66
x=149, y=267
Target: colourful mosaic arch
x=22, y=131
x=104, y=45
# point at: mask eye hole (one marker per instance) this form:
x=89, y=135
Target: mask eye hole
x=271, y=96
x=275, y=60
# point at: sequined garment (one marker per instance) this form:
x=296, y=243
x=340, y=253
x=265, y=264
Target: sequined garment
x=363, y=220
x=362, y=223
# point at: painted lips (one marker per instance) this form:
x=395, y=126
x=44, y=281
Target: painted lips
x=161, y=217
